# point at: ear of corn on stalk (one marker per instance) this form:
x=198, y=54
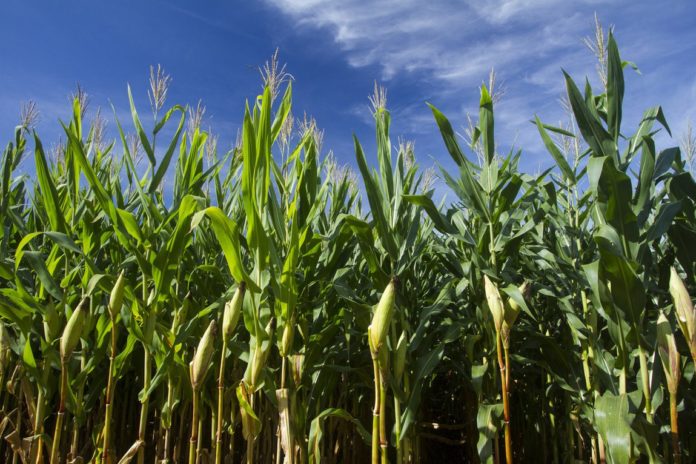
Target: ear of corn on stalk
x=4, y=347
x=379, y=328
x=251, y=425
x=686, y=314
x=667, y=349
x=204, y=354
x=180, y=315
x=233, y=310
x=258, y=360
x=116, y=297
x=297, y=367
x=511, y=312
x=288, y=337
x=51, y=323
x=73, y=329
x=495, y=303
x=400, y=355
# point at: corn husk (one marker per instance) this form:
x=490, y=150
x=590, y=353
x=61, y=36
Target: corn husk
x=4, y=346
x=203, y=356
x=233, y=310
x=495, y=303
x=297, y=367
x=514, y=308
x=116, y=297
x=683, y=307
x=400, y=356
x=262, y=349
x=251, y=425
x=181, y=313
x=511, y=312
x=51, y=323
x=287, y=439
x=667, y=348
x=288, y=337
x=379, y=328
x=73, y=329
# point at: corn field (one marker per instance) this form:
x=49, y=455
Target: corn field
x=163, y=301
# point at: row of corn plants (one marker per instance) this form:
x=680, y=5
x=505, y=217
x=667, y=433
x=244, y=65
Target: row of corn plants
x=162, y=301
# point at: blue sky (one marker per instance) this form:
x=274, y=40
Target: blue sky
x=438, y=51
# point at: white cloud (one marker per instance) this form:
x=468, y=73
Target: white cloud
x=446, y=40
x=447, y=48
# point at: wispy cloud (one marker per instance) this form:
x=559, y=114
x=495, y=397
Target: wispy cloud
x=448, y=41
x=448, y=47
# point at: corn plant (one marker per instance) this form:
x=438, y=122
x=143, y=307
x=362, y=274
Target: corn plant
x=527, y=318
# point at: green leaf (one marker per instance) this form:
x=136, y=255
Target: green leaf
x=613, y=422
x=615, y=88
x=627, y=290
x=425, y=202
x=468, y=185
x=28, y=356
x=130, y=224
x=227, y=234
x=251, y=425
x=316, y=432
x=663, y=221
x=141, y=132
x=374, y=197
x=167, y=158
x=486, y=124
x=555, y=152
x=614, y=198
x=49, y=194
x=448, y=136
x=282, y=112
x=488, y=421
x=599, y=140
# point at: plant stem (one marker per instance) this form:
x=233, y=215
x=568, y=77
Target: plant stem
x=674, y=428
x=504, y=379
x=109, y=395
x=147, y=361
x=251, y=440
x=375, y=412
x=383, y=441
x=38, y=427
x=61, y=412
x=646, y=384
x=199, y=441
x=193, y=442
x=220, y=404
x=397, y=431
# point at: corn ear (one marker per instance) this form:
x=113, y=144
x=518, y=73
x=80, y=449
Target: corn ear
x=4, y=347
x=261, y=351
x=400, y=355
x=116, y=297
x=287, y=439
x=513, y=307
x=382, y=318
x=297, y=367
x=181, y=313
x=686, y=316
x=73, y=329
x=251, y=425
x=51, y=323
x=203, y=356
x=669, y=355
x=288, y=337
x=495, y=303
x=233, y=310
